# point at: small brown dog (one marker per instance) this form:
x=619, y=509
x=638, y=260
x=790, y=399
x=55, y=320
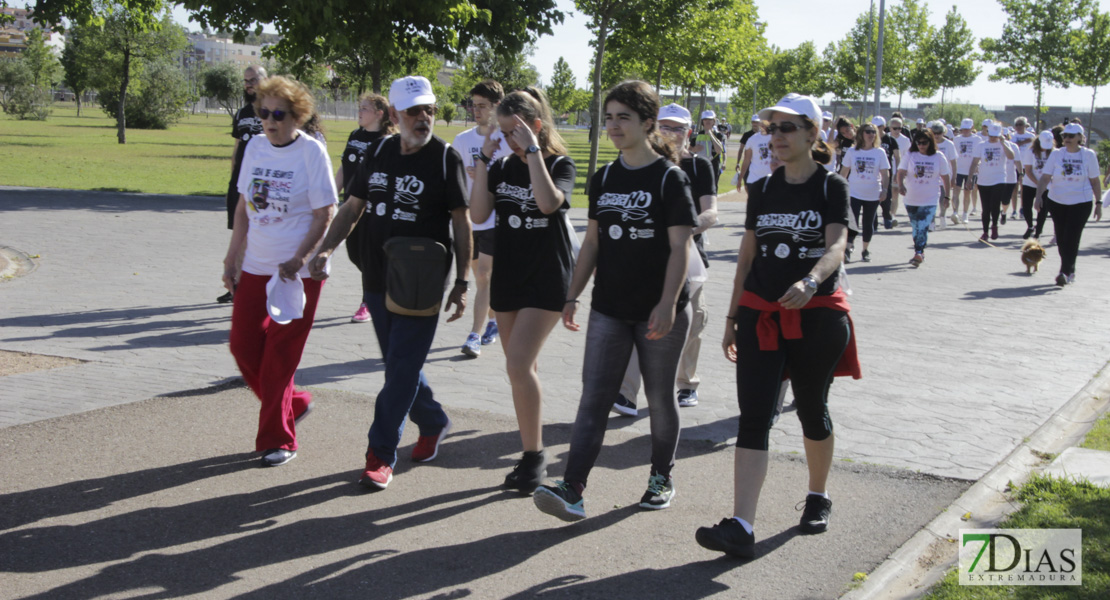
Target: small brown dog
x=1032, y=253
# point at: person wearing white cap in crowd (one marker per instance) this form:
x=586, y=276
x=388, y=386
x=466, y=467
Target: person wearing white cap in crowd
x=287, y=199
x=756, y=161
x=889, y=203
x=1033, y=158
x=920, y=124
x=989, y=164
x=947, y=149
x=901, y=135
x=674, y=124
x=984, y=128
x=1013, y=171
x=412, y=184
x=826, y=125
x=965, y=143
x=788, y=312
x=757, y=128
x=1023, y=138
x=1071, y=175
x=709, y=143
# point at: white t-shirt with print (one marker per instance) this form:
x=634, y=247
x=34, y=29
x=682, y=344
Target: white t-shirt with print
x=469, y=143
x=282, y=186
x=904, y=142
x=865, y=172
x=992, y=163
x=1071, y=175
x=1012, y=165
x=1018, y=137
x=923, y=178
x=1031, y=159
x=760, y=167
x=948, y=149
x=965, y=151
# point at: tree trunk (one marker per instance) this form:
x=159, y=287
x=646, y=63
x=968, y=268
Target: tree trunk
x=602, y=33
x=77, y=97
x=701, y=108
x=942, y=90
x=659, y=76
x=121, y=116
x=1091, y=116
x=376, y=75
x=1039, y=113
x=899, y=102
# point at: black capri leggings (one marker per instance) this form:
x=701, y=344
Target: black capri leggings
x=811, y=361
x=991, y=195
x=1028, y=197
x=1069, y=220
x=867, y=221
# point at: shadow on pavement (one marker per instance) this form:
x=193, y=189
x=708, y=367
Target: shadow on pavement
x=131, y=322
x=44, y=199
x=1016, y=292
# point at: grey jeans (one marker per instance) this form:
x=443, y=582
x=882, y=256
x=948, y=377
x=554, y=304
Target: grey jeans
x=609, y=344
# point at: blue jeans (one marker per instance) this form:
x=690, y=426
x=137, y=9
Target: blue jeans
x=609, y=343
x=405, y=342
x=920, y=219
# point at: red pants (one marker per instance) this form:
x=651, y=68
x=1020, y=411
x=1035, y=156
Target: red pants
x=268, y=355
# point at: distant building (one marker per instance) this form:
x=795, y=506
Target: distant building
x=211, y=50
x=13, y=37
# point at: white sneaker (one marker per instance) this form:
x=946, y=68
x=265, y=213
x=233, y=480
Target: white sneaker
x=963, y=217
x=955, y=218
x=933, y=226
x=941, y=224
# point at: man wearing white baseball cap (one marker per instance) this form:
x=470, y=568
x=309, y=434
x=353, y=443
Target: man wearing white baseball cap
x=709, y=143
x=409, y=185
x=787, y=312
x=889, y=202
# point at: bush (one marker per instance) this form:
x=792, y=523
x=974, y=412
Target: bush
x=447, y=112
x=155, y=100
x=14, y=75
x=30, y=103
x=956, y=112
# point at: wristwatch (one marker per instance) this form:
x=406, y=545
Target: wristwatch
x=810, y=282
x=462, y=283
x=531, y=149
x=483, y=157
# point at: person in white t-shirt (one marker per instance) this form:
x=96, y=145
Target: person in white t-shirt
x=287, y=200
x=989, y=164
x=757, y=157
x=924, y=177
x=946, y=148
x=867, y=169
x=965, y=150
x=1013, y=172
x=1071, y=175
x=485, y=96
x=1033, y=158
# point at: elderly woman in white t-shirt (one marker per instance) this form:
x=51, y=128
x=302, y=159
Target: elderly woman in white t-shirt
x=1071, y=175
x=287, y=199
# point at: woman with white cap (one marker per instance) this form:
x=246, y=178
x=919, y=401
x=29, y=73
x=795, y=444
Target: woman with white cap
x=789, y=314
x=708, y=143
x=1072, y=178
x=287, y=200
x=1033, y=159
x=867, y=169
x=989, y=164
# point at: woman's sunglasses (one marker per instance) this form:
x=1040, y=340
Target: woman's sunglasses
x=785, y=128
x=265, y=113
x=922, y=142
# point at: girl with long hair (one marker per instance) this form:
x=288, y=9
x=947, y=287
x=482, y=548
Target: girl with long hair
x=923, y=178
x=867, y=169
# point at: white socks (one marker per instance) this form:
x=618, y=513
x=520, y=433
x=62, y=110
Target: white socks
x=747, y=526
x=824, y=495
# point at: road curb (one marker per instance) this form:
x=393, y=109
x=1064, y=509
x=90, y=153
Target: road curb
x=924, y=559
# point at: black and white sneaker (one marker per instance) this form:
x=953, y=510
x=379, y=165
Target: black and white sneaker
x=660, y=492
x=728, y=536
x=528, y=474
x=866, y=256
x=687, y=398
x=815, y=516
x=226, y=298
x=625, y=407
x=277, y=457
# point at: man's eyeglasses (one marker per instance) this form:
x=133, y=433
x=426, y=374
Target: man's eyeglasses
x=896, y=129
x=251, y=81
x=785, y=128
x=1067, y=136
x=265, y=113
x=415, y=111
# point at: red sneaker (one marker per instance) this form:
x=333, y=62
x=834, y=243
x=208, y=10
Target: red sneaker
x=427, y=446
x=377, y=474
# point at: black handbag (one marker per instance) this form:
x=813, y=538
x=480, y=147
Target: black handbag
x=415, y=277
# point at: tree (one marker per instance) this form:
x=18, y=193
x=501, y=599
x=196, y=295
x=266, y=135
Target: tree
x=1036, y=43
x=905, y=58
x=77, y=62
x=1092, y=55
x=562, y=87
x=382, y=33
x=14, y=76
x=512, y=71
x=447, y=112
x=956, y=111
x=156, y=99
x=604, y=17
x=220, y=82
x=800, y=70
x=40, y=60
x=949, y=55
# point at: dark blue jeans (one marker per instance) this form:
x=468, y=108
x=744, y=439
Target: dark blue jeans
x=405, y=342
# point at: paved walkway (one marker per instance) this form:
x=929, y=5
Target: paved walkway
x=962, y=358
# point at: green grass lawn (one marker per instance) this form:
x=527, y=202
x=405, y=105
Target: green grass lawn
x=1052, y=504
x=193, y=157
x=1098, y=438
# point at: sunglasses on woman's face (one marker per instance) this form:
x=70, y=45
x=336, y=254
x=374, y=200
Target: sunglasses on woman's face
x=785, y=127
x=896, y=129
x=1067, y=136
x=868, y=132
x=414, y=111
x=922, y=142
x=265, y=113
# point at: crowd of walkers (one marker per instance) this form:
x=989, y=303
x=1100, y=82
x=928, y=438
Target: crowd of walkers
x=411, y=208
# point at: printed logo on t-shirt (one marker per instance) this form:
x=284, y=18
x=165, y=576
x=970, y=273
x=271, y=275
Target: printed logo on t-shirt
x=965, y=146
x=640, y=234
x=359, y=148
x=270, y=190
x=920, y=170
x=1068, y=167
x=514, y=221
x=378, y=182
x=632, y=206
x=352, y=157
x=804, y=252
x=540, y=223
x=803, y=226
x=764, y=152
x=515, y=194
x=782, y=251
x=246, y=136
x=409, y=189
x=864, y=165
x=615, y=232
x=991, y=155
x=381, y=209
x=401, y=215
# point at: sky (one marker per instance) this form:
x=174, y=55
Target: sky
x=571, y=40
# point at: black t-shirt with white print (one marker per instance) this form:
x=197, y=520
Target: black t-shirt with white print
x=703, y=182
x=353, y=152
x=789, y=223
x=534, y=258
x=406, y=195
x=244, y=125
x=634, y=209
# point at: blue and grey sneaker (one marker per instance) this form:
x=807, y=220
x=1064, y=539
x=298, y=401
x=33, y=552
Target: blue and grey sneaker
x=473, y=345
x=560, y=500
x=687, y=398
x=490, y=336
x=659, y=493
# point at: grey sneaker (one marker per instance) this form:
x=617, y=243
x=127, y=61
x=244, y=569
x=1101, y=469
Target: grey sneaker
x=687, y=398
x=277, y=457
x=660, y=492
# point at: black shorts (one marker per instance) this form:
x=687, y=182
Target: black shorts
x=961, y=178
x=483, y=242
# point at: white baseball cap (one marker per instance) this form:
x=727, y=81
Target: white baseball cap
x=1073, y=128
x=285, y=299
x=967, y=124
x=709, y=114
x=827, y=116
x=411, y=91
x=994, y=130
x=794, y=104
x=986, y=123
x=1047, y=139
x=756, y=119
x=878, y=122
x=921, y=121
x=675, y=112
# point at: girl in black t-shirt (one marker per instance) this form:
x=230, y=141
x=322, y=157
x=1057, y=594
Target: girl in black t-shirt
x=641, y=216
x=530, y=192
x=788, y=317
x=373, y=123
